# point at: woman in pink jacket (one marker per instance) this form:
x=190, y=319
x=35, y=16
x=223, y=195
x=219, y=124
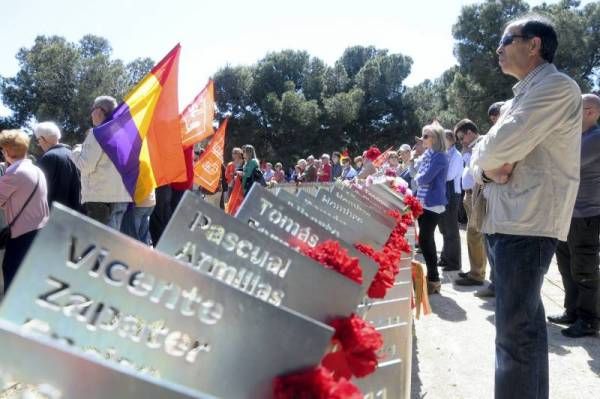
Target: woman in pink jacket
x=23, y=198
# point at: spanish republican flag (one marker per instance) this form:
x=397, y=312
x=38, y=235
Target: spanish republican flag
x=207, y=171
x=143, y=137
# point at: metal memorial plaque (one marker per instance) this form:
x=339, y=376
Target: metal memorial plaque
x=378, y=231
x=344, y=232
x=384, y=313
x=311, y=202
x=347, y=196
x=385, y=192
x=101, y=291
x=395, y=337
x=59, y=372
x=271, y=216
x=385, y=382
x=229, y=250
x=361, y=194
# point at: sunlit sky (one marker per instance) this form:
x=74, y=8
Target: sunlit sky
x=216, y=33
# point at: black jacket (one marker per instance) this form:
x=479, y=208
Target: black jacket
x=62, y=176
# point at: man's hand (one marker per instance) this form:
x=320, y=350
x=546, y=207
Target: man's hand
x=501, y=174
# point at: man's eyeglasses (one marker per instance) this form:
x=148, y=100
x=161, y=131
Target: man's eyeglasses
x=510, y=38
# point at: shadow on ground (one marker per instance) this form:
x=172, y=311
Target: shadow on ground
x=416, y=387
x=446, y=308
x=561, y=346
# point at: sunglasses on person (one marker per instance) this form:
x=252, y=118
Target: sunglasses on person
x=426, y=136
x=509, y=38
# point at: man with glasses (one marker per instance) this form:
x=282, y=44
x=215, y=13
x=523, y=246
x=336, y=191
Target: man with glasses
x=529, y=165
x=103, y=193
x=578, y=258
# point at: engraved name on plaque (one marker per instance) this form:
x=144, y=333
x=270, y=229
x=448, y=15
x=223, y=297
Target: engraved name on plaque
x=56, y=371
x=103, y=292
x=229, y=250
x=375, y=229
x=266, y=213
x=347, y=233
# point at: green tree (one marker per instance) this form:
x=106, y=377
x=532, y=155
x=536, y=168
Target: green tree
x=291, y=104
x=58, y=80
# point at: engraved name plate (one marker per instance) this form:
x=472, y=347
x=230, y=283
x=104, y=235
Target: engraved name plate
x=374, y=228
x=271, y=216
x=385, y=383
x=101, y=291
x=61, y=372
x=344, y=232
x=229, y=250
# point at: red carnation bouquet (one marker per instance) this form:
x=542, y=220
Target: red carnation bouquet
x=372, y=153
x=333, y=256
x=415, y=205
x=315, y=383
x=357, y=343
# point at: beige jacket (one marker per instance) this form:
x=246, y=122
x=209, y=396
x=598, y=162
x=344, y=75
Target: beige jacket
x=540, y=131
x=100, y=180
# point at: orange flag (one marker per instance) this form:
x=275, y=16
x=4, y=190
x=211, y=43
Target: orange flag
x=197, y=117
x=207, y=171
x=381, y=158
x=236, y=197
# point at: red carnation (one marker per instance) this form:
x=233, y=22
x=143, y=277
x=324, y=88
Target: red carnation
x=415, y=205
x=372, y=153
x=359, y=342
x=316, y=383
x=333, y=256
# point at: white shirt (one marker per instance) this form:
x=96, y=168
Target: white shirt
x=455, y=168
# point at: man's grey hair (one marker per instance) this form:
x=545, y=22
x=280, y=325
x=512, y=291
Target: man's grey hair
x=326, y=156
x=310, y=158
x=592, y=99
x=106, y=103
x=47, y=130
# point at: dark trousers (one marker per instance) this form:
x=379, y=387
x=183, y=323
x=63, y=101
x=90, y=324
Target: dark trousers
x=520, y=263
x=427, y=224
x=162, y=212
x=578, y=262
x=448, y=225
x=15, y=252
x=491, y=261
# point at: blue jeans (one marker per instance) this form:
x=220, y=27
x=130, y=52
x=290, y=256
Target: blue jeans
x=491, y=262
x=136, y=223
x=520, y=263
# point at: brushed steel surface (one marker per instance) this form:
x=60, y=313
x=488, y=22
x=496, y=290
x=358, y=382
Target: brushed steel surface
x=271, y=216
x=226, y=248
x=63, y=372
x=101, y=291
x=348, y=233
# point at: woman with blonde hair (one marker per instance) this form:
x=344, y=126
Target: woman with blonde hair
x=23, y=198
x=431, y=179
x=251, y=172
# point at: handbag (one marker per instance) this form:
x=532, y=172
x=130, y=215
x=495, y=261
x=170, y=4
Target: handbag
x=5, y=232
x=478, y=210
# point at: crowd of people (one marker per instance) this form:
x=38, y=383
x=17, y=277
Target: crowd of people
x=530, y=189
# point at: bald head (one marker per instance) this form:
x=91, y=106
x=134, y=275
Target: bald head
x=591, y=110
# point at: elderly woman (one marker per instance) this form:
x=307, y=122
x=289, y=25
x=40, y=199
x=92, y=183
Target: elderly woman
x=23, y=198
x=431, y=179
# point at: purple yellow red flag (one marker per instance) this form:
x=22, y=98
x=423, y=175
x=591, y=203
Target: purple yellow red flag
x=207, y=171
x=142, y=137
x=197, y=117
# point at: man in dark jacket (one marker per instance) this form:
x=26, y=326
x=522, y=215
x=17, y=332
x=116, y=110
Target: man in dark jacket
x=62, y=175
